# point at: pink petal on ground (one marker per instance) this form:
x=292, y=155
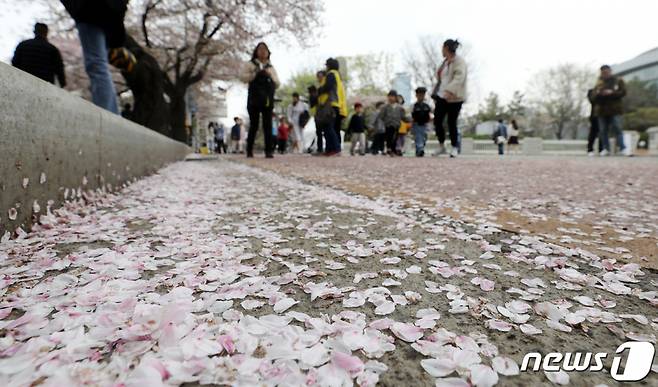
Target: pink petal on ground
x=349, y=363
x=505, y=366
x=438, y=368
x=386, y=307
x=452, y=382
x=227, y=343
x=559, y=377
x=483, y=376
x=407, y=332
x=498, y=325
x=529, y=329
x=284, y=304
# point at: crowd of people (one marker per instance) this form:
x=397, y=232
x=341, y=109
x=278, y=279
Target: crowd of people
x=384, y=130
x=390, y=124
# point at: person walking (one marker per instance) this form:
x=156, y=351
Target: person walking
x=102, y=36
x=379, y=135
x=449, y=95
x=357, y=128
x=210, y=137
x=263, y=81
x=500, y=136
x=593, y=125
x=420, y=115
x=610, y=91
x=39, y=57
x=514, y=132
x=220, y=142
x=334, y=89
x=392, y=115
x=236, y=133
x=282, y=134
x=296, y=111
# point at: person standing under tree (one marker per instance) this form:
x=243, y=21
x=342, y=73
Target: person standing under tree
x=263, y=81
x=236, y=135
x=39, y=57
x=294, y=114
x=220, y=134
x=449, y=95
x=609, y=93
x=334, y=89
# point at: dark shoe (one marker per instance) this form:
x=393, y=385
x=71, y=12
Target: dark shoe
x=269, y=156
x=250, y=155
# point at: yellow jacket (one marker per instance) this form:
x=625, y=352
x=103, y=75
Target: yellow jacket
x=341, y=99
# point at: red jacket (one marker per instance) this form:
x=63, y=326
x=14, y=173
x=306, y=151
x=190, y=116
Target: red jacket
x=282, y=132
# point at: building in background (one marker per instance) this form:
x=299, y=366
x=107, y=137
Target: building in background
x=643, y=67
x=402, y=84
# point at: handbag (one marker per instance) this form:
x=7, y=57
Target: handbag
x=325, y=114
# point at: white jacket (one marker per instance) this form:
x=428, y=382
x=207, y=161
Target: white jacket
x=453, y=79
x=249, y=71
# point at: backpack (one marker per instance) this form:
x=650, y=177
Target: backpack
x=304, y=118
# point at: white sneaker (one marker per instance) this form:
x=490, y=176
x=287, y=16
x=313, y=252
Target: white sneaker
x=604, y=153
x=454, y=153
x=591, y=154
x=442, y=150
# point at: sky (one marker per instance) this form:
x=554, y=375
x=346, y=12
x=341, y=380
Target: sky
x=510, y=40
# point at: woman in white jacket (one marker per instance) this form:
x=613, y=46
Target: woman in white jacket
x=449, y=94
x=263, y=81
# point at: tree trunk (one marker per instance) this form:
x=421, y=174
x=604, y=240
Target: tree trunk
x=146, y=82
x=177, y=116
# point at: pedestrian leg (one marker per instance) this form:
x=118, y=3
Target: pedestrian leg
x=94, y=50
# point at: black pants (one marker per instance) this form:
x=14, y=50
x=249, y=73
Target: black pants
x=319, y=138
x=378, y=143
x=338, y=125
x=220, y=145
x=451, y=110
x=255, y=114
x=391, y=137
x=282, y=145
x=593, y=134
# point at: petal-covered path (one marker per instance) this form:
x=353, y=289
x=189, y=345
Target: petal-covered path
x=220, y=273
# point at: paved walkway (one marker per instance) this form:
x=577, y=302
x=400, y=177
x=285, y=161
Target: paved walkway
x=216, y=272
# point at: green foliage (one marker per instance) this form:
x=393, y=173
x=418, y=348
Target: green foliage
x=516, y=108
x=640, y=94
x=641, y=119
x=492, y=109
x=298, y=83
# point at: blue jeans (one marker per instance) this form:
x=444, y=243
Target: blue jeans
x=420, y=137
x=608, y=125
x=501, y=148
x=94, y=49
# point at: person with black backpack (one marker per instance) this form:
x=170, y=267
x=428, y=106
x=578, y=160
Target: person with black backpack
x=263, y=82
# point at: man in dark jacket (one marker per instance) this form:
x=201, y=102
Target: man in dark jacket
x=40, y=58
x=100, y=26
x=609, y=92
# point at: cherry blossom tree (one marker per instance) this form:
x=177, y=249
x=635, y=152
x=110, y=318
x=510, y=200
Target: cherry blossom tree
x=180, y=43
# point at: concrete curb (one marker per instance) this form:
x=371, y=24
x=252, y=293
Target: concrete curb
x=53, y=142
